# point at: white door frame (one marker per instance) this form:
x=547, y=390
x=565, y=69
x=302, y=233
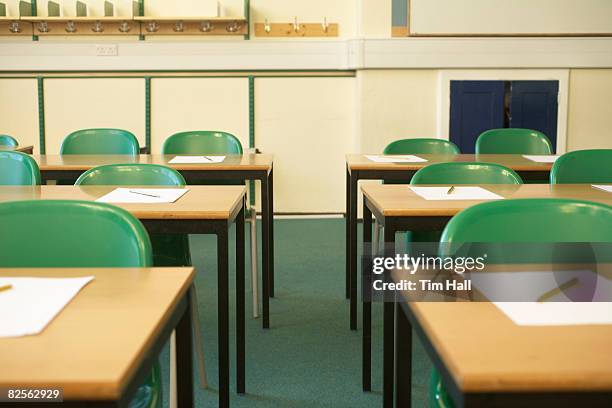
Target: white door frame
x=445, y=76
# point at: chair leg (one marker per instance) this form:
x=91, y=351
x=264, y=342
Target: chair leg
x=375, y=238
x=199, y=341
x=172, y=397
x=254, y=264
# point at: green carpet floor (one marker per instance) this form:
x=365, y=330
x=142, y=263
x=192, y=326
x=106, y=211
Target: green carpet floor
x=309, y=357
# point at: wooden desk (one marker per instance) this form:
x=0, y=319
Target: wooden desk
x=102, y=346
x=358, y=167
x=23, y=149
x=234, y=167
x=202, y=210
x=399, y=209
x=485, y=359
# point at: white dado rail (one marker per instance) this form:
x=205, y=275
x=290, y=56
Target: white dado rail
x=354, y=54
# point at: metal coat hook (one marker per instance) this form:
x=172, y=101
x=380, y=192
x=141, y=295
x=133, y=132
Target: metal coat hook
x=233, y=27
x=70, y=27
x=14, y=27
x=325, y=25
x=206, y=26
x=267, y=27
x=179, y=27
x=97, y=27
x=296, y=26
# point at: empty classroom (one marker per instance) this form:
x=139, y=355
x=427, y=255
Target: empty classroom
x=306, y=204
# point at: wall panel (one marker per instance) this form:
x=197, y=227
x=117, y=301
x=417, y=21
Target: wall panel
x=510, y=17
x=590, y=109
x=72, y=104
x=308, y=124
x=180, y=104
x=19, y=110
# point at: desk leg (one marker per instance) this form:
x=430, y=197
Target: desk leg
x=353, y=252
x=389, y=329
x=240, y=301
x=184, y=369
x=223, y=311
x=403, y=359
x=271, y=228
x=366, y=351
x=265, y=259
x=347, y=222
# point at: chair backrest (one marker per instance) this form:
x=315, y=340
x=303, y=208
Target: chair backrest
x=466, y=173
x=18, y=168
x=10, y=141
x=202, y=142
x=531, y=220
x=583, y=166
x=100, y=141
x=421, y=146
x=63, y=233
x=131, y=174
x=513, y=141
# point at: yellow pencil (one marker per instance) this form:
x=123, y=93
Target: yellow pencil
x=5, y=287
x=556, y=291
x=450, y=190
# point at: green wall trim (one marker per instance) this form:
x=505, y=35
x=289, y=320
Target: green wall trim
x=41, y=114
x=34, y=13
x=247, y=15
x=148, y=114
x=252, y=130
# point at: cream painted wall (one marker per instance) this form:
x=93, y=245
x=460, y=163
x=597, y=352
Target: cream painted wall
x=179, y=104
x=72, y=104
x=308, y=124
x=19, y=110
x=374, y=19
x=590, y=109
x=516, y=16
x=395, y=104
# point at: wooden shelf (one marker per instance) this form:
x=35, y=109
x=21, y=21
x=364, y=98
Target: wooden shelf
x=289, y=30
x=14, y=26
x=193, y=25
x=83, y=25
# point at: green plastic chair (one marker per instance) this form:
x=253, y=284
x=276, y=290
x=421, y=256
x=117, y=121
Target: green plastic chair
x=460, y=173
x=17, y=168
x=466, y=173
x=583, y=166
x=66, y=234
x=204, y=142
x=421, y=146
x=100, y=141
x=9, y=141
x=544, y=220
x=513, y=141
x=168, y=249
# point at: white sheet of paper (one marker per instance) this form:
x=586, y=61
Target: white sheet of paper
x=459, y=193
x=531, y=286
x=557, y=314
x=32, y=303
x=543, y=158
x=196, y=159
x=143, y=195
x=406, y=158
x=603, y=187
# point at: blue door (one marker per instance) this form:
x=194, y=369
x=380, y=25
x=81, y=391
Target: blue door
x=475, y=106
x=533, y=105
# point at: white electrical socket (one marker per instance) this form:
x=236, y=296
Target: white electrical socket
x=106, y=50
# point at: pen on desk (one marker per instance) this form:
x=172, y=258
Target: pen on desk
x=556, y=291
x=207, y=158
x=144, y=194
x=5, y=287
x=450, y=190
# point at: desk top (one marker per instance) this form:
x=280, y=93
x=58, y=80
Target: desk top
x=93, y=347
x=486, y=352
x=514, y=161
x=200, y=202
x=23, y=149
x=248, y=161
x=397, y=200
